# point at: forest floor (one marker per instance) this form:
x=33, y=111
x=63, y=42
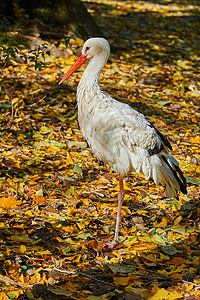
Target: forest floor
x=58, y=202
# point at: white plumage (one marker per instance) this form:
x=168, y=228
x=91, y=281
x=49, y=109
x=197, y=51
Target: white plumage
x=118, y=134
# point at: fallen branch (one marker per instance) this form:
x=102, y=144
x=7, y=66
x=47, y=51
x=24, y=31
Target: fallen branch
x=81, y=274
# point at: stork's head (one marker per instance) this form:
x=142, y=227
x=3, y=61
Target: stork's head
x=92, y=48
x=96, y=47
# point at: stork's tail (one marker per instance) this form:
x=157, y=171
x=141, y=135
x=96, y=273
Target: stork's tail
x=166, y=171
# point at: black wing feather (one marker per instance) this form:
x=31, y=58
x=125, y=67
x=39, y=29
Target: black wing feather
x=158, y=148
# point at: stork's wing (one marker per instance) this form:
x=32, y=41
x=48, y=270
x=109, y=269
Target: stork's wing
x=133, y=127
x=119, y=135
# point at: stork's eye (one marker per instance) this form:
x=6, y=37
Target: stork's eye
x=87, y=48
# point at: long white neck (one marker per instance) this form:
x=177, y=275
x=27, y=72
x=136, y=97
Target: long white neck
x=90, y=77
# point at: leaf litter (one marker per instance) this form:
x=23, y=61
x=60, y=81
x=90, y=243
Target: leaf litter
x=58, y=203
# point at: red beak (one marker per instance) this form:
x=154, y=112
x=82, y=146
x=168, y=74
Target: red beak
x=80, y=60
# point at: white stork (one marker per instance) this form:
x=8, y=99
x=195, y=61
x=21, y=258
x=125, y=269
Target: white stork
x=118, y=134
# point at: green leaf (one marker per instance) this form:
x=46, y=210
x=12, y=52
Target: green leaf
x=46, y=129
x=84, y=235
x=124, y=269
x=11, y=296
x=174, y=202
x=24, y=267
x=57, y=144
x=178, y=229
x=5, y=105
x=158, y=239
x=67, y=42
x=78, y=170
x=57, y=44
x=170, y=250
x=163, y=102
x=39, y=193
x=22, y=239
x=193, y=180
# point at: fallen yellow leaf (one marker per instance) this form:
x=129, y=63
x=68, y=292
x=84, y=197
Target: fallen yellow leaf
x=121, y=280
x=22, y=249
x=9, y=202
x=3, y=296
x=163, y=223
x=190, y=287
x=173, y=296
x=177, y=220
x=160, y=295
x=195, y=140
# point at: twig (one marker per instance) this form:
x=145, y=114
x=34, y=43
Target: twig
x=80, y=273
x=12, y=113
x=64, y=271
x=8, y=281
x=91, y=277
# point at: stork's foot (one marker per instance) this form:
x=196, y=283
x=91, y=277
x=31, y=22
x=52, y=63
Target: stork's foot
x=112, y=244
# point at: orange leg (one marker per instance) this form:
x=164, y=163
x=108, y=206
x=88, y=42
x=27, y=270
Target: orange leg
x=120, y=201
